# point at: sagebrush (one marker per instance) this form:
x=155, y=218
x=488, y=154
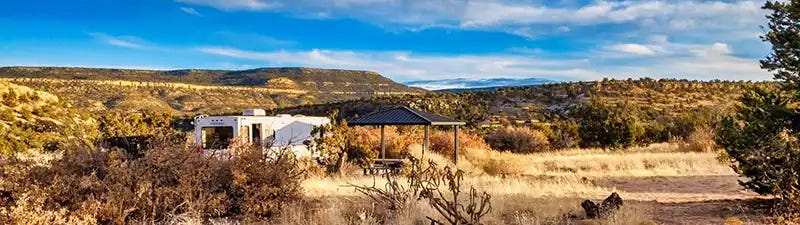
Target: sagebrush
x=94, y=185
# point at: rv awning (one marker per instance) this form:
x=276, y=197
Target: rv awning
x=403, y=116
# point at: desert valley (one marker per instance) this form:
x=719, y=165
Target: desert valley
x=385, y=112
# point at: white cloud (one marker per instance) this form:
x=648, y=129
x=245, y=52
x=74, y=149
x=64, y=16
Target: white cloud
x=712, y=61
x=706, y=20
x=681, y=38
x=717, y=49
x=234, y=4
x=119, y=41
x=408, y=66
x=635, y=49
x=190, y=11
x=704, y=16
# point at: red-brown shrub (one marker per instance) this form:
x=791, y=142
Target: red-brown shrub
x=442, y=141
x=111, y=187
x=518, y=140
x=369, y=141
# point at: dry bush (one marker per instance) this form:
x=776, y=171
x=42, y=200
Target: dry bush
x=261, y=185
x=518, y=140
x=442, y=142
x=111, y=187
x=700, y=140
x=358, y=145
x=453, y=210
x=442, y=159
x=369, y=139
x=498, y=167
x=440, y=187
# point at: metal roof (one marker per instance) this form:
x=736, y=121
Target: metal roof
x=403, y=116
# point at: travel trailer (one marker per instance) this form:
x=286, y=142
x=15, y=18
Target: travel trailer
x=255, y=127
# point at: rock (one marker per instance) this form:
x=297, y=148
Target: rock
x=605, y=209
x=591, y=209
x=610, y=205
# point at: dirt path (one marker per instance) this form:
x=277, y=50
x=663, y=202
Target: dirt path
x=692, y=199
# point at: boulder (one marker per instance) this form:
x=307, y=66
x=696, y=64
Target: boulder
x=605, y=209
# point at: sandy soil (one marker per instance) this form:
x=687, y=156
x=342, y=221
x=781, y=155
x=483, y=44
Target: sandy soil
x=692, y=199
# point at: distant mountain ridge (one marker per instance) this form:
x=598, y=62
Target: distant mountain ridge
x=195, y=91
x=306, y=79
x=463, y=83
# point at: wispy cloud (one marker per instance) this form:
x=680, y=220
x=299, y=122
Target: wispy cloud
x=234, y=4
x=120, y=41
x=701, y=62
x=255, y=39
x=190, y=11
x=528, y=19
x=635, y=49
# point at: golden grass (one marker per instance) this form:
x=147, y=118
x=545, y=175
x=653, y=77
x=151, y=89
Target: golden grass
x=654, y=160
x=507, y=210
x=540, y=188
x=496, y=186
x=554, y=174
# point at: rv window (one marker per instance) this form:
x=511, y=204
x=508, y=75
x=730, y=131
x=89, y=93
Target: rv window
x=216, y=137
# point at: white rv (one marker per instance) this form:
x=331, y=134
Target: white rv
x=255, y=127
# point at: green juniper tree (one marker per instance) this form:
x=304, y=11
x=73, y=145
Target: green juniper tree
x=763, y=138
x=608, y=126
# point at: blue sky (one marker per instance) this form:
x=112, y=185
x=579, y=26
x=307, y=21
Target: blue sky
x=404, y=40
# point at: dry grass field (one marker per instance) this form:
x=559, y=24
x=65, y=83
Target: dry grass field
x=660, y=185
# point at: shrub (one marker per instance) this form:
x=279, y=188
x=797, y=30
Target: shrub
x=7, y=115
x=518, y=140
x=368, y=142
x=763, y=144
x=701, y=140
x=261, y=184
x=10, y=98
x=441, y=141
x=608, y=127
x=443, y=189
x=111, y=187
x=122, y=124
x=498, y=167
x=762, y=137
x=565, y=135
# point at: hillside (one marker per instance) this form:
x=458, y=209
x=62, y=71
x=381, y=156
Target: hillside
x=306, y=79
x=36, y=119
x=202, y=91
x=549, y=102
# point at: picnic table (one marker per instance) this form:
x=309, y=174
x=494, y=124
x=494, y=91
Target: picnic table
x=385, y=166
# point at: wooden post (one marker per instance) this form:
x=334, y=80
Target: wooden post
x=383, y=145
x=425, y=143
x=455, y=144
